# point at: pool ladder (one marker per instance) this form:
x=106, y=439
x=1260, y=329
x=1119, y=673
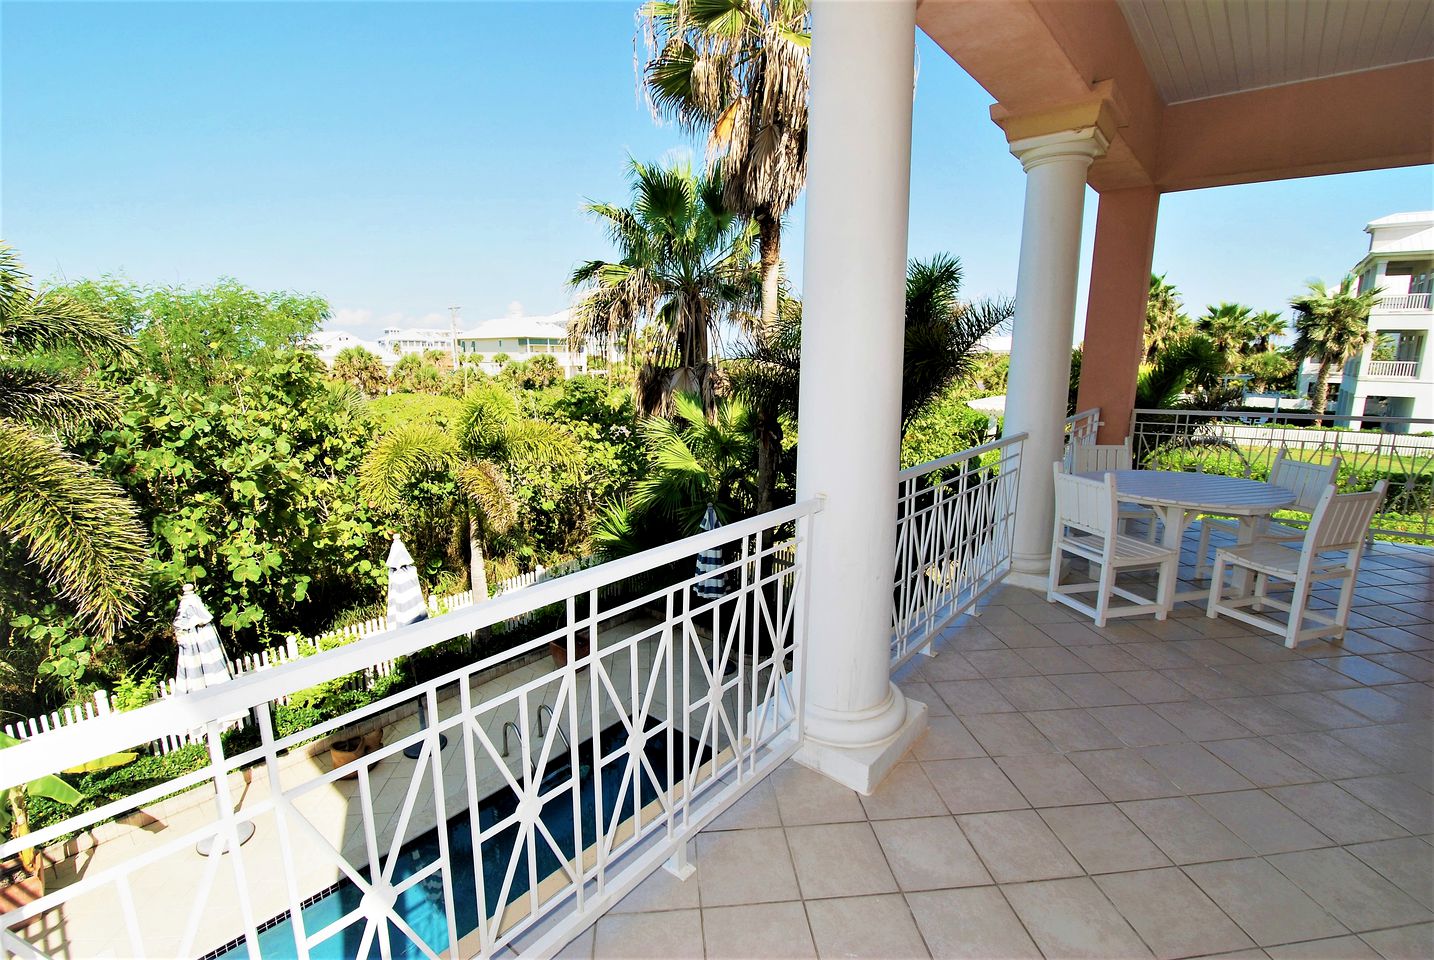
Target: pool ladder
x=557, y=728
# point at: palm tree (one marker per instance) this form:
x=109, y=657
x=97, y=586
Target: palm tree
x=1164, y=321
x=1331, y=327
x=739, y=71
x=361, y=368
x=766, y=375
x=491, y=441
x=78, y=528
x=943, y=331
x=683, y=273
x=1183, y=364
x=1264, y=327
x=694, y=460
x=1229, y=327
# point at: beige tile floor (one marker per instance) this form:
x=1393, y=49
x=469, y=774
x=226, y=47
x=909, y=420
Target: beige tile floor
x=1177, y=789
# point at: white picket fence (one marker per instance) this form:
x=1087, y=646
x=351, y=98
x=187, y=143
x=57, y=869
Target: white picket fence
x=293, y=649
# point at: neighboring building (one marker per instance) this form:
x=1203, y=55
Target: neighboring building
x=520, y=338
x=1394, y=377
x=416, y=339
x=328, y=344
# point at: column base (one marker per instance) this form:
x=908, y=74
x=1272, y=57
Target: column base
x=862, y=768
x=1030, y=571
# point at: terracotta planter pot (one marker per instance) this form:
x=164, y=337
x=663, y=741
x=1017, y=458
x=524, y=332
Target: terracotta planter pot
x=559, y=650
x=373, y=740
x=346, y=751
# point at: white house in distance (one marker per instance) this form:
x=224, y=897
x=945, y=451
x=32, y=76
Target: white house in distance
x=328, y=344
x=1400, y=382
x=521, y=337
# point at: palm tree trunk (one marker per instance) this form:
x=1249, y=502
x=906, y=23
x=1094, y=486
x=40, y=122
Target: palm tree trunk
x=1321, y=390
x=477, y=572
x=769, y=451
x=769, y=242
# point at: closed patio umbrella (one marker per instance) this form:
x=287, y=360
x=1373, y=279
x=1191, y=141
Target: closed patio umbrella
x=405, y=606
x=405, y=596
x=709, y=561
x=202, y=663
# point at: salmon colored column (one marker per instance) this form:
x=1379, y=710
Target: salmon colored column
x=1115, y=312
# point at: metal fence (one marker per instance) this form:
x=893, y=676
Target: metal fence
x=955, y=520
x=559, y=788
x=1245, y=443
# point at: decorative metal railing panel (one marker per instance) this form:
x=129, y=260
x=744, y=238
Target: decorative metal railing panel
x=534, y=797
x=1081, y=427
x=955, y=521
x=1397, y=449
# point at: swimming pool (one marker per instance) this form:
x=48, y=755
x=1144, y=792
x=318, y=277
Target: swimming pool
x=421, y=906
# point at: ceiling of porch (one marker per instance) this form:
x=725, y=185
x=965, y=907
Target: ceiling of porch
x=1205, y=49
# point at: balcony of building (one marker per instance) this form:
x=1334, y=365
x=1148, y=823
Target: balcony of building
x=1402, y=303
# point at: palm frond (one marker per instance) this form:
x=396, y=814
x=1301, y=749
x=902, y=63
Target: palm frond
x=484, y=484
x=79, y=528
x=412, y=451
x=52, y=400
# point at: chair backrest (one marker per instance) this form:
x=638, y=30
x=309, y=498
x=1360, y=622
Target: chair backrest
x=1085, y=504
x=1088, y=457
x=1307, y=481
x=1340, y=521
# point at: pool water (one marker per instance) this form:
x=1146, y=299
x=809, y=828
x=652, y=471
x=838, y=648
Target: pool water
x=421, y=906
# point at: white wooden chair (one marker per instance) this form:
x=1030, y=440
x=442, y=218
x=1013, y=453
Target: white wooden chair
x=1307, y=481
x=1093, y=457
x=1087, y=518
x=1337, y=525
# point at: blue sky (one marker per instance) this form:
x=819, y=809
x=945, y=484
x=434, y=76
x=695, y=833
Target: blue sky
x=399, y=158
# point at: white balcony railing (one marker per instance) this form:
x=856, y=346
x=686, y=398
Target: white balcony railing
x=669, y=703
x=1081, y=427
x=1399, y=450
x=955, y=521
x=1392, y=368
x=1408, y=301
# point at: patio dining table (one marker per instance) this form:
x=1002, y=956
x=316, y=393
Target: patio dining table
x=1178, y=497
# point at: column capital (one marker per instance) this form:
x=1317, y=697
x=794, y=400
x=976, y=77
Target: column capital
x=1082, y=142
x=1081, y=128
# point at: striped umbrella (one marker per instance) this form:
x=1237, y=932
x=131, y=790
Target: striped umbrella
x=405, y=596
x=405, y=606
x=709, y=561
x=202, y=663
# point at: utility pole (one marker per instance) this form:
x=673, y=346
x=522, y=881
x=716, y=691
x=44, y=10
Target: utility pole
x=453, y=332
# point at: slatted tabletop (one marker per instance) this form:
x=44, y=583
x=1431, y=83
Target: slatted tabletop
x=1203, y=492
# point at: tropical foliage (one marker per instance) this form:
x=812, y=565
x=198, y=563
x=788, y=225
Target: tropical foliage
x=1331, y=328
x=738, y=71
x=682, y=276
x=942, y=331
x=66, y=532
x=361, y=369
x=1165, y=319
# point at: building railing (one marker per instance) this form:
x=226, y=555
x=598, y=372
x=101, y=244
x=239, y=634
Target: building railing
x=955, y=521
x=1392, y=368
x=1408, y=301
x=1245, y=443
x=668, y=701
x=1081, y=427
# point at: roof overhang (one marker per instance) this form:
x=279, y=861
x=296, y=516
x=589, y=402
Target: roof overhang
x=1041, y=59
